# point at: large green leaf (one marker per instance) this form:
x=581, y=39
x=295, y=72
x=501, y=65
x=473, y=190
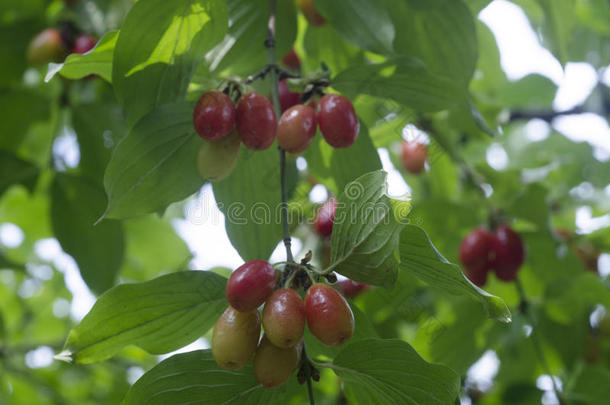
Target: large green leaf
x=439, y=32
x=98, y=249
x=404, y=80
x=336, y=167
x=419, y=257
x=14, y=170
x=243, y=49
x=364, y=23
x=323, y=44
x=98, y=61
x=250, y=200
x=195, y=378
x=367, y=225
x=21, y=109
x=155, y=164
x=388, y=372
x=159, y=316
x=159, y=47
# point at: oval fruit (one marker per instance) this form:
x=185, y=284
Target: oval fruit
x=475, y=251
x=337, y=120
x=256, y=121
x=46, y=47
x=296, y=128
x=291, y=60
x=273, y=366
x=351, y=289
x=83, y=44
x=250, y=285
x=235, y=338
x=287, y=97
x=311, y=14
x=325, y=218
x=284, y=318
x=508, y=251
x=217, y=159
x=214, y=115
x=329, y=316
x=414, y=156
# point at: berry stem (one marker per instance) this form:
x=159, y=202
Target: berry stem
x=524, y=308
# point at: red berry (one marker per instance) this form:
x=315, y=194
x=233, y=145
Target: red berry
x=477, y=276
x=414, y=156
x=325, y=218
x=214, y=115
x=351, y=288
x=329, y=316
x=337, y=120
x=296, y=128
x=311, y=14
x=46, y=47
x=509, y=254
x=256, y=121
x=84, y=44
x=287, y=98
x=284, y=318
x=250, y=285
x=475, y=249
x=291, y=60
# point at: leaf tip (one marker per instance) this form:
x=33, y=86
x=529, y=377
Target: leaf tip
x=65, y=355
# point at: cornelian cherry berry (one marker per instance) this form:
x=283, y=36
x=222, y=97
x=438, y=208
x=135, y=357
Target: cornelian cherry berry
x=311, y=14
x=291, y=60
x=329, y=317
x=325, y=218
x=296, y=128
x=352, y=289
x=250, y=285
x=235, y=338
x=287, y=98
x=284, y=318
x=46, y=47
x=337, y=120
x=475, y=251
x=414, y=156
x=273, y=366
x=508, y=252
x=214, y=115
x=84, y=44
x=256, y=121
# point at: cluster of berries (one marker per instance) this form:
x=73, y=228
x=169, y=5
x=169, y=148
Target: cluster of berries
x=278, y=353
x=502, y=251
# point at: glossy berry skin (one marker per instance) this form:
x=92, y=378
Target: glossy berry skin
x=46, y=47
x=291, y=60
x=475, y=250
x=287, y=98
x=311, y=14
x=84, y=44
x=352, y=289
x=329, y=316
x=273, y=366
x=508, y=252
x=217, y=159
x=256, y=121
x=477, y=277
x=214, y=115
x=284, y=318
x=337, y=120
x=250, y=285
x=296, y=128
x=235, y=338
x=325, y=218
x=414, y=156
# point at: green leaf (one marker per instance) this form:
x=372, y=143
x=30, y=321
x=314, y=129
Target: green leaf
x=439, y=32
x=14, y=170
x=98, y=249
x=159, y=46
x=195, y=378
x=21, y=109
x=364, y=244
x=155, y=164
x=391, y=372
x=531, y=204
x=243, y=51
x=14, y=40
x=250, y=200
x=159, y=316
x=97, y=61
x=404, y=80
x=590, y=386
x=364, y=23
x=323, y=44
x=337, y=167
x=419, y=257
